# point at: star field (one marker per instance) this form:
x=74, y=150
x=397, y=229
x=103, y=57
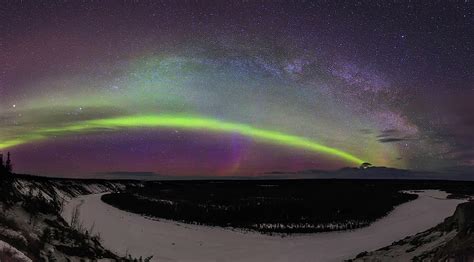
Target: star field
x=89, y=87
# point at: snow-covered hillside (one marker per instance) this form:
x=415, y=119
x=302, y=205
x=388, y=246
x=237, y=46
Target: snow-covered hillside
x=11, y=254
x=59, y=189
x=31, y=226
x=451, y=240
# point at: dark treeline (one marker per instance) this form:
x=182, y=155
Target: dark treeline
x=5, y=167
x=284, y=206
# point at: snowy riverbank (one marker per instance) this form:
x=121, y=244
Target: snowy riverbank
x=124, y=232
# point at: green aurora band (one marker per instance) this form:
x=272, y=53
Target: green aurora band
x=186, y=123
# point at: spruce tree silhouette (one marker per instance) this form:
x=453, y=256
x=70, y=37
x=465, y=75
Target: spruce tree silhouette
x=2, y=167
x=8, y=164
x=5, y=167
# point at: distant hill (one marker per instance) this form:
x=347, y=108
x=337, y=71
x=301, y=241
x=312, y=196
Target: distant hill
x=369, y=173
x=374, y=172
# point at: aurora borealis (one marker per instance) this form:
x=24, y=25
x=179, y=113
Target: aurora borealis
x=201, y=88
x=184, y=123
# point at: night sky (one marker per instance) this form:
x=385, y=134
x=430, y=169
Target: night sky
x=223, y=88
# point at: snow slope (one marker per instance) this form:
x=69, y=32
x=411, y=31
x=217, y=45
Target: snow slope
x=30, y=207
x=124, y=232
x=18, y=255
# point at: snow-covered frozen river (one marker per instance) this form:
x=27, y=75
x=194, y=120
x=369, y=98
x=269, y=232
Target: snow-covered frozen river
x=166, y=240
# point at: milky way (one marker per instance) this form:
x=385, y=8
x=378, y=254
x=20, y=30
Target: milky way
x=201, y=88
